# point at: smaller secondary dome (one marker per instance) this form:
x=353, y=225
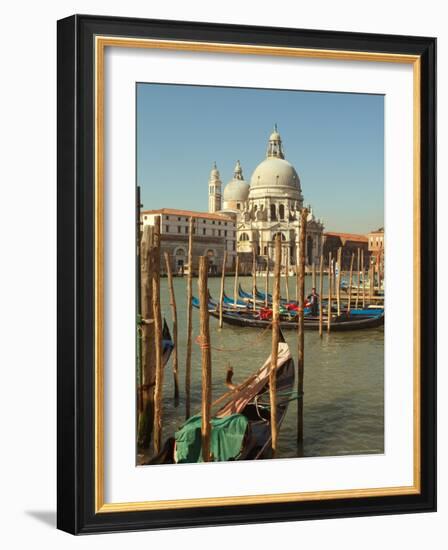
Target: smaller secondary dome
x=237, y=189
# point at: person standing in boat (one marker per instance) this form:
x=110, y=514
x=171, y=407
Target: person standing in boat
x=313, y=302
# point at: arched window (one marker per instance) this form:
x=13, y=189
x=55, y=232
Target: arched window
x=281, y=212
x=283, y=238
x=273, y=212
x=244, y=237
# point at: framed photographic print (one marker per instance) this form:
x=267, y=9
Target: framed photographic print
x=246, y=274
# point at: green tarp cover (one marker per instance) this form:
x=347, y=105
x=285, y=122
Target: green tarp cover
x=227, y=435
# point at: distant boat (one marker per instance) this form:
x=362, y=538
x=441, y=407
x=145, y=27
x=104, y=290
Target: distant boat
x=356, y=287
x=241, y=427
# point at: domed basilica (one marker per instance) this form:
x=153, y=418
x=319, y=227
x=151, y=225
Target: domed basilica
x=271, y=204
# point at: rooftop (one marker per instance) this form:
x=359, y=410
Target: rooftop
x=348, y=236
x=189, y=214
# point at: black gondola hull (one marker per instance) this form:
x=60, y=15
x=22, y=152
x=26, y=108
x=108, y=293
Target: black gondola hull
x=345, y=324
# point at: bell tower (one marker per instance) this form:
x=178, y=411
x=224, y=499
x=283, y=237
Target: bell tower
x=214, y=190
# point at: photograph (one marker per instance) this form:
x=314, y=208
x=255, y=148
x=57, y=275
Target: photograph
x=260, y=266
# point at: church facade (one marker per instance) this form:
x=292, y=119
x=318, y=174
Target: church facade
x=271, y=204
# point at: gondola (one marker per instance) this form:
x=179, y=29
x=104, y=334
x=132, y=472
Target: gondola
x=248, y=297
x=239, y=304
x=261, y=302
x=167, y=343
x=248, y=403
x=342, y=323
x=356, y=320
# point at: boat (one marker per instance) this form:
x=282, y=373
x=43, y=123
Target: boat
x=248, y=297
x=260, y=298
x=291, y=305
x=355, y=288
x=230, y=302
x=343, y=322
x=244, y=411
x=355, y=320
x=167, y=343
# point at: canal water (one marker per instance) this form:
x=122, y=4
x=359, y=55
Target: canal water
x=343, y=383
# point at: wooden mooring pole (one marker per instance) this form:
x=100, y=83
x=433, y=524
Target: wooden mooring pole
x=297, y=269
x=287, y=276
x=235, y=283
x=377, y=265
x=338, y=280
x=174, y=315
x=330, y=290
x=189, y=320
x=254, y=278
x=358, y=288
x=275, y=341
x=206, y=358
x=146, y=417
x=313, y=275
x=301, y=327
x=157, y=314
x=221, y=292
x=321, y=293
x=371, y=281
x=349, y=305
x=266, y=284
x=363, y=280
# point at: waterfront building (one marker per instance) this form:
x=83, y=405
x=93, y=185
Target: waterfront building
x=376, y=246
x=212, y=234
x=376, y=241
x=271, y=204
x=350, y=244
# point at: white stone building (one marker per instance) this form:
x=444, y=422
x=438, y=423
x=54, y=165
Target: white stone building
x=271, y=204
x=212, y=234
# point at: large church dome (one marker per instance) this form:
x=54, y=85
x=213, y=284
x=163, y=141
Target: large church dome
x=237, y=190
x=275, y=171
x=275, y=175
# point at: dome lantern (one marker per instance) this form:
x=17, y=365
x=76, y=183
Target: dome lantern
x=275, y=148
x=238, y=172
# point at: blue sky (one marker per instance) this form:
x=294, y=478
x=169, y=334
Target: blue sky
x=335, y=141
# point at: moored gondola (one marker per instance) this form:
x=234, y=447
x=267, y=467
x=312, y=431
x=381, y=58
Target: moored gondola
x=357, y=319
x=230, y=302
x=167, y=343
x=241, y=427
x=342, y=323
